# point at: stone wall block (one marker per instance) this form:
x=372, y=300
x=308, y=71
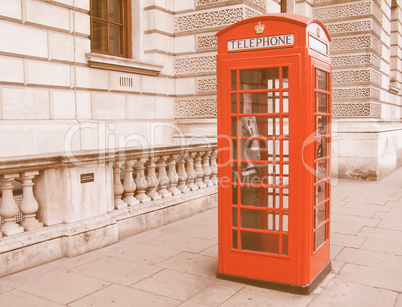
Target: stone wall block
x=62, y=104
x=61, y=46
x=31, y=41
x=80, y=23
x=42, y=13
x=10, y=9
x=157, y=20
x=24, y=103
x=185, y=43
x=45, y=73
x=108, y=106
x=90, y=78
x=11, y=70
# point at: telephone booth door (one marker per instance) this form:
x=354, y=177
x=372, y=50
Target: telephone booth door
x=260, y=172
x=273, y=154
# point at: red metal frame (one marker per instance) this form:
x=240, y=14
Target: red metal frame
x=273, y=239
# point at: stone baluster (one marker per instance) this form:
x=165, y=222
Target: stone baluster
x=191, y=172
x=199, y=172
x=207, y=168
x=8, y=207
x=173, y=177
x=129, y=184
x=182, y=174
x=141, y=182
x=118, y=187
x=163, y=177
x=214, y=169
x=29, y=206
x=152, y=180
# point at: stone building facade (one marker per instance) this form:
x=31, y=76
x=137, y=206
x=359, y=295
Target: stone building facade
x=57, y=94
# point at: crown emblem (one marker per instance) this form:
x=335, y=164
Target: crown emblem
x=259, y=29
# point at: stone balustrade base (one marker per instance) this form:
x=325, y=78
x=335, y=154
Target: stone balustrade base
x=46, y=244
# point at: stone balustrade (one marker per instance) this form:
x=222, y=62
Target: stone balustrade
x=139, y=177
x=110, y=194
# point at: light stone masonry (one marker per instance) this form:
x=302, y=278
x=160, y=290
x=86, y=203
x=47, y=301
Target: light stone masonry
x=185, y=44
x=159, y=42
x=45, y=73
x=82, y=47
x=63, y=104
x=70, y=3
x=31, y=41
x=108, y=105
x=90, y=78
x=11, y=70
x=25, y=103
x=11, y=9
x=51, y=136
x=61, y=46
x=49, y=15
x=158, y=20
x=185, y=86
x=15, y=133
x=80, y=23
x=83, y=104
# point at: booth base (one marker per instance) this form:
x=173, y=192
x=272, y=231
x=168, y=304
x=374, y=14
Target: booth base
x=297, y=289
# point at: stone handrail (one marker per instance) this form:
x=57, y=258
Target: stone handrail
x=139, y=176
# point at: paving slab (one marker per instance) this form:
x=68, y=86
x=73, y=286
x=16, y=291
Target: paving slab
x=381, y=233
x=256, y=297
x=183, y=243
x=335, y=250
x=191, y=263
x=54, y=284
x=368, y=258
x=369, y=276
x=190, y=230
x=387, y=224
x=399, y=301
x=173, y=284
x=355, y=220
x=217, y=293
x=118, y=295
x=355, y=209
x=116, y=270
x=383, y=245
x=338, y=293
x=371, y=198
x=345, y=228
x=344, y=239
x=140, y=252
x=4, y=289
x=210, y=251
x=73, y=262
x=20, y=298
x=390, y=216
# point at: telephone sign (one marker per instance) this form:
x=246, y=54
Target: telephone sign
x=261, y=42
x=274, y=113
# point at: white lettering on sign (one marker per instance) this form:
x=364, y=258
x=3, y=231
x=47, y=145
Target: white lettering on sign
x=261, y=42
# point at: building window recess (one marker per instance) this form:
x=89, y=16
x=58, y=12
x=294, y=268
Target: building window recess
x=110, y=21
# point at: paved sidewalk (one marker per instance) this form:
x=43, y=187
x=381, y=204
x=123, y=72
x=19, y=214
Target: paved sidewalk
x=176, y=264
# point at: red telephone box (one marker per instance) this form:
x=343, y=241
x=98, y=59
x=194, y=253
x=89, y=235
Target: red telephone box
x=274, y=114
